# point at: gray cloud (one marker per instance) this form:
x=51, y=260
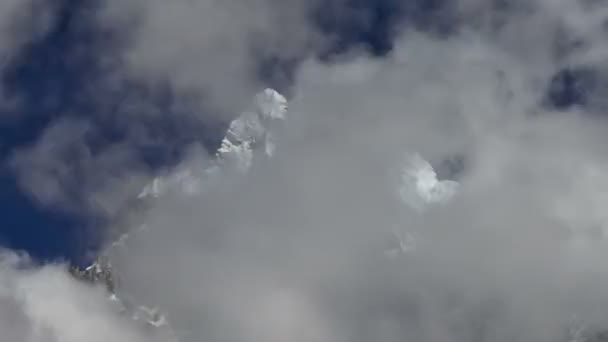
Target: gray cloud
x=206, y=52
x=17, y=26
x=45, y=304
x=210, y=47
x=20, y=22
x=294, y=251
x=60, y=170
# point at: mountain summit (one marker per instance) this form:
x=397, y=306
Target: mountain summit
x=249, y=136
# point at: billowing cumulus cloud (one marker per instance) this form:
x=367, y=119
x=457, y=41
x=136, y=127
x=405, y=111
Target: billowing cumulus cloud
x=46, y=304
x=295, y=249
x=298, y=243
x=209, y=47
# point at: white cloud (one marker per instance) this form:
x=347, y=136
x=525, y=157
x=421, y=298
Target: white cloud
x=210, y=47
x=46, y=304
x=495, y=264
x=295, y=251
x=20, y=22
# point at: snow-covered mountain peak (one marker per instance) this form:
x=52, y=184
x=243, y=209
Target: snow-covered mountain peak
x=251, y=133
x=248, y=136
x=271, y=104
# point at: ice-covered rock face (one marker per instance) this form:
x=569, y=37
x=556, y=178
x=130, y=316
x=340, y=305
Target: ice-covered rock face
x=271, y=105
x=420, y=187
x=252, y=129
x=250, y=134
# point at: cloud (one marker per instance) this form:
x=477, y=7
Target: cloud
x=210, y=47
x=160, y=77
x=16, y=26
x=20, y=23
x=300, y=239
x=62, y=170
x=294, y=250
x=46, y=304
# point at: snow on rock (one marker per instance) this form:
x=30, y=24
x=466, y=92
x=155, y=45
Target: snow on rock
x=249, y=134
